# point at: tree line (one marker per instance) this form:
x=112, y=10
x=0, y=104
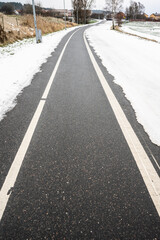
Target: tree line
x=135, y=10
x=81, y=10
x=8, y=8
x=15, y=5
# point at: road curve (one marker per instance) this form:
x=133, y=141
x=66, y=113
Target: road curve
x=78, y=178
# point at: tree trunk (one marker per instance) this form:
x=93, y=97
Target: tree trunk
x=113, y=19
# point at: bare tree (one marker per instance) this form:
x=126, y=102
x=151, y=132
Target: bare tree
x=135, y=10
x=87, y=4
x=82, y=10
x=113, y=6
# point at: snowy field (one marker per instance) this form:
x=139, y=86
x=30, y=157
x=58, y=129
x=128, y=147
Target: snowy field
x=149, y=30
x=135, y=65
x=19, y=62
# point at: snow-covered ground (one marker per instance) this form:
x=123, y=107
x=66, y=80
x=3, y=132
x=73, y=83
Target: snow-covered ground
x=19, y=62
x=135, y=65
x=150, y=30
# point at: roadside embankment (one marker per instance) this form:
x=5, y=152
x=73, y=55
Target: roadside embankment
x=13, y=28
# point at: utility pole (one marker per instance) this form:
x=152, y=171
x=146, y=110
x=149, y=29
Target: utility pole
x=38, y=32
x=3, y=22
x=64, y=13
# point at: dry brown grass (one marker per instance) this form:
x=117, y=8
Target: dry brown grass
x=20, y=27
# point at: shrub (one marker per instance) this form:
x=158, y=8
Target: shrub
x=7, y=9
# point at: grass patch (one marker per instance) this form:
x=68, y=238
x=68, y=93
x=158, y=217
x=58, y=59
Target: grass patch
x=92, y=21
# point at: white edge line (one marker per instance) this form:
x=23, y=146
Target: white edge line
x=155, y=160
x=149, y=174
x=16, y=165
x=11, y=177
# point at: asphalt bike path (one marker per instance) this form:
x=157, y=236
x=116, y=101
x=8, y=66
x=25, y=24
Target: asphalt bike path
x=79, y=178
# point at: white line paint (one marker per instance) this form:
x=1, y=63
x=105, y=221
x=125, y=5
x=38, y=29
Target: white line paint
x=15, y=167
x=150, y=176
x=155, y=161
x=153, y=157
x=10, y=180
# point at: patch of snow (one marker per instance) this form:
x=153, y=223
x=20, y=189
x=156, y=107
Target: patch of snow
x=150, y=30
x=135, y=65
x=19, y=62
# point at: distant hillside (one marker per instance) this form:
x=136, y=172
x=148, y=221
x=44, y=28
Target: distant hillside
x=99, y=11
x=16, y=5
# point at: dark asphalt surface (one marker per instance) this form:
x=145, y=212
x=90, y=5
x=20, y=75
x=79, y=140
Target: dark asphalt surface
x=79, y=179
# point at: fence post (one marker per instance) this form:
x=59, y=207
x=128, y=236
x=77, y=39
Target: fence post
x=3, y=22
x=17, y=21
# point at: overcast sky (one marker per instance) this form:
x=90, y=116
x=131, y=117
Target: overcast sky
x=151, y=6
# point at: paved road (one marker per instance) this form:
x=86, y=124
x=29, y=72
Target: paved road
x=78, y=179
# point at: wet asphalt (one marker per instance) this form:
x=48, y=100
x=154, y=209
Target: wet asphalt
x=79, y=179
